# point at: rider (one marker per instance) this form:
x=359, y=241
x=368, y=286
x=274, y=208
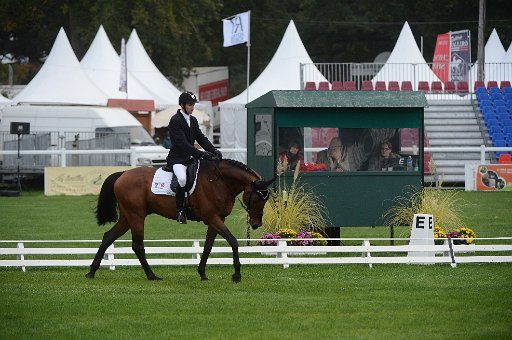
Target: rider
x=184, y=131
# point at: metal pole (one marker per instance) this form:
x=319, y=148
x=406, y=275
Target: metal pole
x=248, y=52
x=481, y=47
x=18, y=171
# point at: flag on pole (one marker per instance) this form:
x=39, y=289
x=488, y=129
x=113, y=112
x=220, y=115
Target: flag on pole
x=236, y=29
x=123, y=83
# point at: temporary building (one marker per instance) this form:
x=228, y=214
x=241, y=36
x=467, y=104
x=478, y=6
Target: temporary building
x=507, y=66
x=145, y=71
x=282, y=73
x=102, y=65
x=494, y=55
x=406, y=63
x=61, y=80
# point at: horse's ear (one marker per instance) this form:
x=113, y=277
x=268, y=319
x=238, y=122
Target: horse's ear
x=266, y=184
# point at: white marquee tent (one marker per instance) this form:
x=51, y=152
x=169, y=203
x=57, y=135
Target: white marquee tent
x=507, y=67
x=61, y=80
x=494, y=54
x=102, y=65
x=4, y=101
x=282, y=73
x=406, y=63
x=145, y=71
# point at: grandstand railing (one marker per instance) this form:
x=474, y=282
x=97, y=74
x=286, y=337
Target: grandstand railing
x=367, y=251
x=413, y=72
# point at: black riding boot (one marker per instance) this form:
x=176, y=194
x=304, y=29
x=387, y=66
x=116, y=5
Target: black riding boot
x=181, y=216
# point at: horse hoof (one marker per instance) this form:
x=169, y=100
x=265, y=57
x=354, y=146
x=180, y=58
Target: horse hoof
x=236, y=278
x=89, y=275
x=154, y=278
x=204, y=278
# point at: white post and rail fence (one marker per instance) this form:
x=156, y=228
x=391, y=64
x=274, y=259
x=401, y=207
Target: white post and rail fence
x=365, y=251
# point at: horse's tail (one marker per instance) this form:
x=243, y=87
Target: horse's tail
x=106, y=210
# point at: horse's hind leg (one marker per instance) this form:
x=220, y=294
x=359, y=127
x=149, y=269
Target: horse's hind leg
x=118, y=230
x=210, y=238
x=138, y=249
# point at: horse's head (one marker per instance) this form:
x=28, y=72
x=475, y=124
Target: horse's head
x=255, y=199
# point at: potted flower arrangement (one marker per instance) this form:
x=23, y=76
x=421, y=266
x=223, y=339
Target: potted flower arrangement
x=439, y=234
x=464, y=233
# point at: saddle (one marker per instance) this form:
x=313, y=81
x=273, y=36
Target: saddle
x=191, y=177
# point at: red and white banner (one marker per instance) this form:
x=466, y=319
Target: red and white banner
x=217, y=91
x=441, y=64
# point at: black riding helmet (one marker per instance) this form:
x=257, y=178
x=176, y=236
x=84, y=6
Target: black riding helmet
x=187, y=97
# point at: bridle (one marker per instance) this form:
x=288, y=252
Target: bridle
x=262, y=193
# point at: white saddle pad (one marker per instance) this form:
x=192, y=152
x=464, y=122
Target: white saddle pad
x=161, y=184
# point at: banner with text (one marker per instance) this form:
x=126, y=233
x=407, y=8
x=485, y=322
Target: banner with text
x=77, y=181
x=460, y=55
x=236, y=29
x=495, y=177
x=441, y=62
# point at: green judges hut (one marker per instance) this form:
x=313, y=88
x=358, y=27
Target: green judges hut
x=354, y=177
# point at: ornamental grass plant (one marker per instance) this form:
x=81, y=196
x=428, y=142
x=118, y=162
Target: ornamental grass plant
x=294, y=206
x=444, y=205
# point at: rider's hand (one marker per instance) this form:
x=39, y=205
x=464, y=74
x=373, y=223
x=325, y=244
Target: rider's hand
x=218, y=154
x=208, y=155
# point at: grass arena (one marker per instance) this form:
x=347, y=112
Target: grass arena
x=308, y=301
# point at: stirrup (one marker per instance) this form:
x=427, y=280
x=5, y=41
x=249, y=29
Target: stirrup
x=181, y=216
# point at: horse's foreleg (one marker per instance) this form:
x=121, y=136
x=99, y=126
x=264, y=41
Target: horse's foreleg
x=118, y=230
x=224, y=232
x=208, y=244
x=138, y=249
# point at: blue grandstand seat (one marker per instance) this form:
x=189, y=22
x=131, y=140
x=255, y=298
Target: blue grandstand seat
x=499, y=102
x=506, y=122
x=483, y=96
x=509, y=139
x=492, y=122
x=487, y=110
x=509, y=104
x=507, y=96
x=490, y=117
x=493, y=129
x=501, y=109
x=499, y=143
x=507, y=130
x=507, y=90
x=497, y=135
x=481, y=90
x=494, y=90
x=496, y=95
x=484, y=103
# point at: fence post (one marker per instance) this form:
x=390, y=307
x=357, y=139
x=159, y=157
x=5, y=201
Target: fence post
x=196, y=246
x=21, y=257
x=111, y=257
x=133, y=157
x=367, y=254
x=283, y=254
x=482, y=154
x=63, y=157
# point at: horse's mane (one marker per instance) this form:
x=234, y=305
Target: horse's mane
x=242, y=166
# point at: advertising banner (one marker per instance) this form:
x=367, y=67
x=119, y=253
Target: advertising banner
x=441, y=64
x=493, y=177
x=77, y=181
x=460, y=55
x=216, y=92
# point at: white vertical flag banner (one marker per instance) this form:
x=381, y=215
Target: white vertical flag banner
x=123, y=83
x=236, y=29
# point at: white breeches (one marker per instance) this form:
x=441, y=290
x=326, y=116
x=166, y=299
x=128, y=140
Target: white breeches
x=181, y=173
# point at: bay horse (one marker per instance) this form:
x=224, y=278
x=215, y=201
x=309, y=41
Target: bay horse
x=218, y=185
